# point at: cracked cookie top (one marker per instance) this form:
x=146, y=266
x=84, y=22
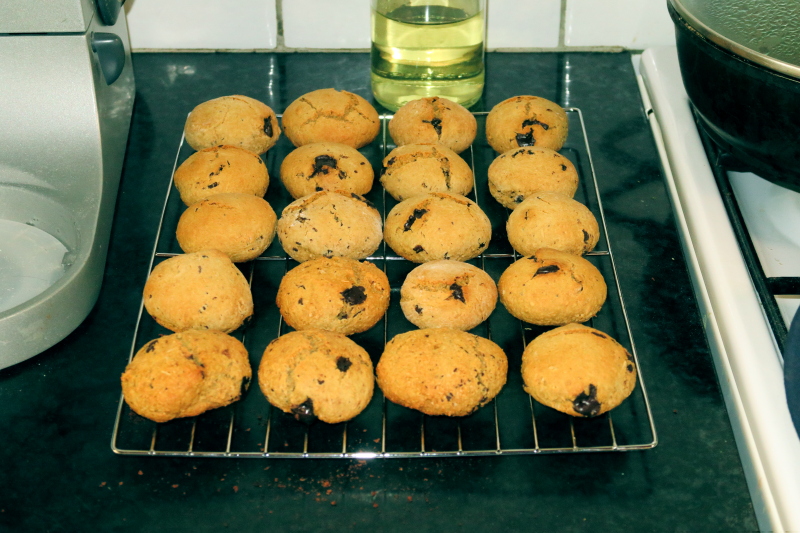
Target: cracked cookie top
x=326, y=166
x=526, y=121
x=220, y=169
x=415, y=169
x=552, y=288
x=329, y=115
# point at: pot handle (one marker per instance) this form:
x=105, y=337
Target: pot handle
x=791, y=370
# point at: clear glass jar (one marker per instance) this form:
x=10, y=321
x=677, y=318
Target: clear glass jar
x=424, y=48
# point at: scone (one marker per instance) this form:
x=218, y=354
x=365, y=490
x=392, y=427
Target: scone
x=316, y=374
x=447, y=294
x=238, y=120
x=199, y=290
x=326, y=166
x=578, y=370
x=552, y=220
x=329, y=223
x=328, y=115
x=518, y=173
x=552, y=288
x=220, y=169
x=434, y=120
x=240, y=225
x=437, y=226
x=526, y=121
x=415, y=169
x=185, y=374
x=335, y=294
x=441, y=371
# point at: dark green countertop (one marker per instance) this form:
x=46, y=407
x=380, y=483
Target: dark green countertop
x=57, y=410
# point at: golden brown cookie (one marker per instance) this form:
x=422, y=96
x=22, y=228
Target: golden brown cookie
x=316, y=374
x=518, y=173
x=578, y=370
x=441, y=371
x=552, y=288
x=447, y=294
x=415, y=169
x=434, y=120
x=335, y=294
x=237, y=120
x=220, y=169
x=326, y=166
x=240, y=225
x=329, y=223
x=437, y=226
x=328, y=115
x=185, y=374
x=552, y=220
x=199, y=290
x=526, y=121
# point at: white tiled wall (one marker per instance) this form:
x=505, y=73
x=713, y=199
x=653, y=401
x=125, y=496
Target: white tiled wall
x=344, y=24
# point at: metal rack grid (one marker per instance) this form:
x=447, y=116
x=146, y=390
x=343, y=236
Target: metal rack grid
x=512, y=424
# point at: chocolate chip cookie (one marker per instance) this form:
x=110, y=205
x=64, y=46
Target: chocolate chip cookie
x=329, y=223
x=526, y=121
x=326, y=166
x=199, y=290
x=240, y=225
x=437, y=226
x=237, y=120
x=449, y=294
x=335, y=294
x=316, y=375
x=186, y=374
x=329, y=115
x=578, y=370
x=434, y=120
x=552, y=288
x=415, y=169
x=516, y=174
x=441, y=371
x=552, y=220
x=220, y=169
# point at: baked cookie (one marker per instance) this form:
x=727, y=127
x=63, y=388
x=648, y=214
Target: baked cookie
x=328, y=115
x=186, y=374
x=238, y=120
x=450, y=294
x=329, y=223
x=220, y=169
x=552, y=220
x=518, y=173
x=578, y=370
x=199, y=290
x=434, y=120
x=316, y=374
x=441, y=371
x=326, y=166
x=552, y=288
x=437, y=226
x=415, y=169
x=335, y=294
x=526, y=121
x=240, y=225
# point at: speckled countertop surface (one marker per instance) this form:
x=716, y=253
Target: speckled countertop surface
x=57, y=410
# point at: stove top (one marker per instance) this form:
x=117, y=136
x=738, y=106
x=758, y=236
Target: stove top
x=746, y=353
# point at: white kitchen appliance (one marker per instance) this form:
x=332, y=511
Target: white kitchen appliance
x=65, y=108
x=745, y=347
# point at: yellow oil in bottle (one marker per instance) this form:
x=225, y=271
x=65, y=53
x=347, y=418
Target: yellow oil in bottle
x=421, y=51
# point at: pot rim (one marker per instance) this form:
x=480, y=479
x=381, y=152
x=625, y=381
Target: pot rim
x=693, y=23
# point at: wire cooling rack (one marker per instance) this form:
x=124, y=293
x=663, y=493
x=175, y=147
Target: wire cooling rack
x=511, y=424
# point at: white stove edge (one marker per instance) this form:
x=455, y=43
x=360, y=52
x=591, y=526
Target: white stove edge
x=732, y=314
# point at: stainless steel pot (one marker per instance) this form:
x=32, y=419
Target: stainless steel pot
x=740, y=62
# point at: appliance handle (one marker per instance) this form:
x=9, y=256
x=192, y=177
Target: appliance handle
x=110, y=53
